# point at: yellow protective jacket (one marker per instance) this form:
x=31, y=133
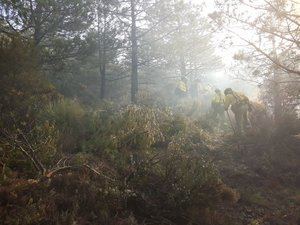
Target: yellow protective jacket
x=235, y=99
x=218, y=99
x=182, y=86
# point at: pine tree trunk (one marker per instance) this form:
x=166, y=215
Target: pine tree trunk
x=103, y=82
x=134, y=63
x=102, y=52
x=277, y=101
x=36, y=17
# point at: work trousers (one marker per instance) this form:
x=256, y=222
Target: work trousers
x=241, y=117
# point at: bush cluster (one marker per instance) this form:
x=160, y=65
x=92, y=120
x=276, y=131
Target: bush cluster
x=151, y=166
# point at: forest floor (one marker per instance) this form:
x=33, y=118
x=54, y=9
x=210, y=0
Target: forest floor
x=267, y=176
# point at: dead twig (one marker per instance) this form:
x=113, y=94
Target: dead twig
x=72, y=168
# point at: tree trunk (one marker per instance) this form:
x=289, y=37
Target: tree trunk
x=102, y=51
x=134, y=63
x=36, y=16
x=277, y=99
x=103, y=82
x=276, y=89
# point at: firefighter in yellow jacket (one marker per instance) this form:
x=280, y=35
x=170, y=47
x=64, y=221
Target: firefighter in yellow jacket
x=181, y=93
x=181, y=89
x=217, y=105
x=240, y=106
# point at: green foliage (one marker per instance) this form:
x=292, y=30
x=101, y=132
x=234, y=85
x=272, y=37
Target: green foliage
x=255, y=198
x=115, y=135
x=114, y=164
x=160, y=163
x=139, y=130
x=66, y=114
x=47, y=19
x=158, y=159
x=69, y=117
x=23, y=90
x=23, y=93
x=139, y=127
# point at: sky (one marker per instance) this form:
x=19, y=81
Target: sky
x=224, y=78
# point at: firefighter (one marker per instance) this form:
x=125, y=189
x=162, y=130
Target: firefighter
x=181, y=89
x=181, y=94
x=217, y=105
x=240, y=106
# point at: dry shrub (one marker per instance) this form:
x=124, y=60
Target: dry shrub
x=261, y=121
x=264, y=125
x=176, y=183
x=40, y=145
x=161, y=163
x=139, y=127
x=287, y=124
x=66, y=199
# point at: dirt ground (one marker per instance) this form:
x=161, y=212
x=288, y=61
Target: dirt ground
x=267, y=176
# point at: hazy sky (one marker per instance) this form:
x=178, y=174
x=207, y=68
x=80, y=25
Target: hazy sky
x=224, y=77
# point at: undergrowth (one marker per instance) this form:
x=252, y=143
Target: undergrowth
x=131, y=165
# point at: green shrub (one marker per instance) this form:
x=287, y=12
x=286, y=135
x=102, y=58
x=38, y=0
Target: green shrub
x=174, y=184
x=66, y=114
x=70, y=119
x=23, y=89
x=160, y=164
x=138, y=128
x=23, y=93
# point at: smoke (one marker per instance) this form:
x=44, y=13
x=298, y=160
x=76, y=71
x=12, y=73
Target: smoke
x=223, y=79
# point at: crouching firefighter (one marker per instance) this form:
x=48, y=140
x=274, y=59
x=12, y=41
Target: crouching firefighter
x=240, y=105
